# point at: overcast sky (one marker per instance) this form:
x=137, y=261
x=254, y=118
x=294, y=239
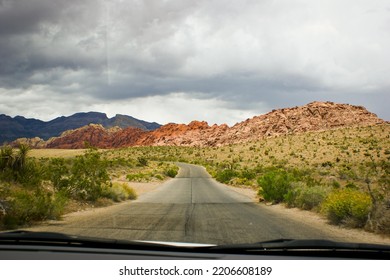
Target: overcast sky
x=175, y=61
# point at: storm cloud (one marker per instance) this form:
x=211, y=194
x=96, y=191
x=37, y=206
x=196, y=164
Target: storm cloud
x=174, y=61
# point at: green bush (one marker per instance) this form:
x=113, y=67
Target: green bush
x=142, y=161
x=171, y=172
x=88, y=176
x=139, y=177
x=58, y=204
x=159, y=177
x=28, y=206
x=311, y=197
x=291, y=196
x=302, y=196
x=274, y=185
x=17, y=167
x=347, y=206
x=247, y=174
x=32, y=174
x=82, y=178
x=224, y=176
x=59, y=174
x=350, y=185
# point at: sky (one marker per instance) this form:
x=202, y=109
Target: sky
x=220, y=61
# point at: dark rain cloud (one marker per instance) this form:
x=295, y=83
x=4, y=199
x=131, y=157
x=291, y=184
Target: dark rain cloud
x=274, y=53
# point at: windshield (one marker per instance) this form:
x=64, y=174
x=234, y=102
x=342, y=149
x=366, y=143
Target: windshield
x=211, y=122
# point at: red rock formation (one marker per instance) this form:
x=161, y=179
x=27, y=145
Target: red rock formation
x=97, y=136
x=93, y=134
x=314, y=116
x=311, y=117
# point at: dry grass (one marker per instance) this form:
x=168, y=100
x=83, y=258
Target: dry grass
x=342, y=154
x=360, y=144
x=55, y=153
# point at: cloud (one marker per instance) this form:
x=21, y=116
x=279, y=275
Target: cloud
x=170, y=108
x=234, y=55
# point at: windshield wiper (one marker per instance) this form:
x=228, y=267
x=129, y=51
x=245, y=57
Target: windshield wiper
x=318, y=247
x=291, y=244
x=21, y=237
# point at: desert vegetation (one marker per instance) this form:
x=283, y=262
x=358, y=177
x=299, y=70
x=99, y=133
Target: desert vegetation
x=44, y=184
x=33, y=189
x=342, y=174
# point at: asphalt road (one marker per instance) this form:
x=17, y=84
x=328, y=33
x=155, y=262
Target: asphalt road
x=192, y=207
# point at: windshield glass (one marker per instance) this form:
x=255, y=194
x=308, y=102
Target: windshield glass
x=212, y=122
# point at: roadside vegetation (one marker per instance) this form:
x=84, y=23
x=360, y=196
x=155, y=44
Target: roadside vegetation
x=35, y=188
x=342, y=174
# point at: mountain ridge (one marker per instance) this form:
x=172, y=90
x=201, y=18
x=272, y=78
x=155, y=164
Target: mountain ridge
x=314, y=116
x=21, y=127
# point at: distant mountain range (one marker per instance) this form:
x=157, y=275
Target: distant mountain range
x=21, y=127
x=315, y=116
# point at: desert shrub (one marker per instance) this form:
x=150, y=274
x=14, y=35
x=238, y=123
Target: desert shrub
x=59, y=173
x=59, y=201
x=241, y=182
x=32, y=174
x=28, y=206
x=159, y=177
x=142, y=161
x=302, y=196
x=351, y=185
x=379, y=219
x=122, y=162
x=347, y=206
x=224, y=176
x=139, y=177
x=311, y=197
x=119, y=192
x=347, y=174
x=17, y=167
x=327, y=164
x=335, y=184
x=247, y=174
x=114, y=193
x=171, y=172
x=130, y=192
x=291, y=196
x=82, y=178
x=274, y=185
x=88, y=176
x=11, y=160
x=6, y=158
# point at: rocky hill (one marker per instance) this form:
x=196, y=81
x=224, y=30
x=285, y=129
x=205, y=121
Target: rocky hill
x=314, y=116
x=20, y=127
